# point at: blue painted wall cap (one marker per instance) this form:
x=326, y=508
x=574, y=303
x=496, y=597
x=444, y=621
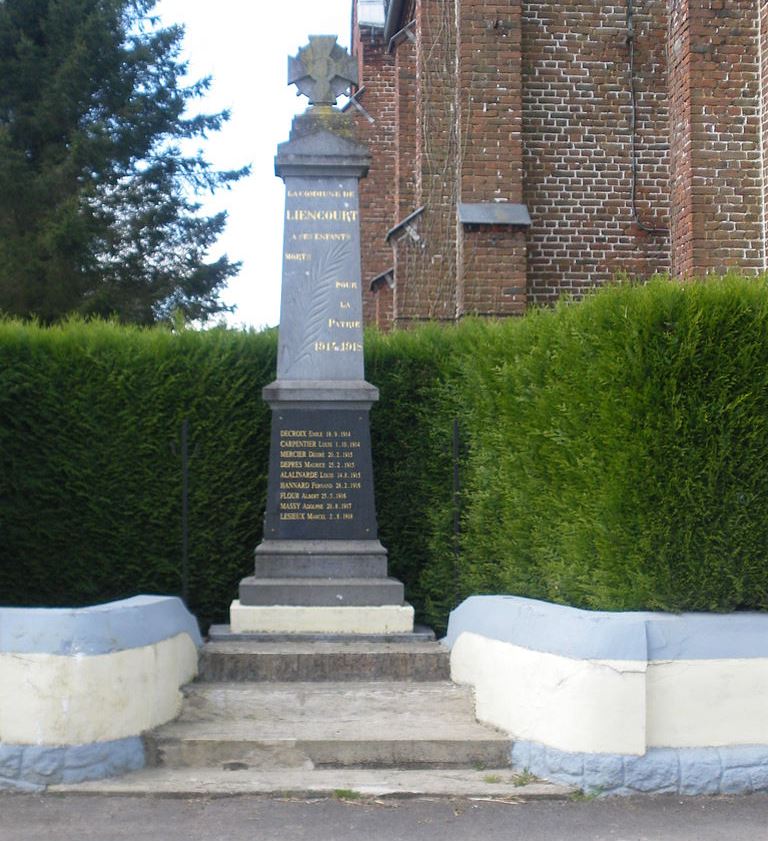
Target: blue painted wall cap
x=98, y=629
x=606, y=635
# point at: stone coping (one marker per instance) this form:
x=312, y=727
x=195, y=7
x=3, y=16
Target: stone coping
x=606, y=635
x=98, y=629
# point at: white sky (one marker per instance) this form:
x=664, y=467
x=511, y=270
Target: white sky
x=244, y=45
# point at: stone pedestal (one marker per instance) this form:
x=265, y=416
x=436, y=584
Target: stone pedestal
x=321, y=567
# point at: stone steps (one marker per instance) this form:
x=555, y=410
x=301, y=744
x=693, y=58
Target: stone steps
x=318, y=715
x=329, y=724
x=323, y=661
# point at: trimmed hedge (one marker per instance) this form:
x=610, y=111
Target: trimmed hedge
x=90, y=471
x=614, y=455
x=412, y=442
x=619, y=450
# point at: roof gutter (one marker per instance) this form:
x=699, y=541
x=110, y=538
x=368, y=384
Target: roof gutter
x=394, y=16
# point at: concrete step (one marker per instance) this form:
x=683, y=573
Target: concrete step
x=224, y=633
x=489, y=784
x=323, y=661
x=340, y=724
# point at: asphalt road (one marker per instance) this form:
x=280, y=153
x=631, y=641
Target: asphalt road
x=79, y=818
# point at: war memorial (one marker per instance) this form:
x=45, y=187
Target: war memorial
x=321, y=567
x=321, y=683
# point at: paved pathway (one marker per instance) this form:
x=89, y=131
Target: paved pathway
x=82, y=818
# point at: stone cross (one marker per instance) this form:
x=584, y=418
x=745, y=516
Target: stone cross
x=322, y=70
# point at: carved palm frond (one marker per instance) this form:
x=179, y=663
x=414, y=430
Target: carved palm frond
x=310, y=300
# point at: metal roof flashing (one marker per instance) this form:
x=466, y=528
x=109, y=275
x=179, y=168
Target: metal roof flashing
x=385, y=278
x=406, y=226
x=494, y=213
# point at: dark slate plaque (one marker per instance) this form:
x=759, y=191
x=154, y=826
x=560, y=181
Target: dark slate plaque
x=321, y=320
x=321, y=478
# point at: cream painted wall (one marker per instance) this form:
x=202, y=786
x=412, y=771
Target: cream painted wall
x=707, y=703
x=69, y=700
x=595, y=706
x=287, y=619
x=614, y=706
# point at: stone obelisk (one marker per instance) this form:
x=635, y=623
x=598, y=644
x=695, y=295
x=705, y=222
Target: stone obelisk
x=321, y=568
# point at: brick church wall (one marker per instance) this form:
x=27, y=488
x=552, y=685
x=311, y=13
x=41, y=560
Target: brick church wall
x=715, y=102
x=428, y=290
x=762, y=48
x=491, y=271
x=654, y=167
x=577, y=137
x=376, y=72
x=406, y=173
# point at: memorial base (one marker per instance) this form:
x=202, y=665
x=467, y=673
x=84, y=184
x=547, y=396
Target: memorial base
x=320, y=559
x=294, y=619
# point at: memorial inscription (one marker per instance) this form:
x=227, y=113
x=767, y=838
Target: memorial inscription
x=323, y=487
x=322, y=301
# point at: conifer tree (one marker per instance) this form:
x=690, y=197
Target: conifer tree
x=98, y=198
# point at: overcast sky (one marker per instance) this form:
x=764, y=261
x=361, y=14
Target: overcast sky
x=245, y=48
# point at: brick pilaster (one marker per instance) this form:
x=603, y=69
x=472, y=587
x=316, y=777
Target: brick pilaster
x=427, y=287
x=491, y=259
x=405, y=166
x=715, y=141
x=378, y=190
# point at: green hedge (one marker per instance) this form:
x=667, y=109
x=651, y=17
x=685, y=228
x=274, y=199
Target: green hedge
x=412, y=442
x=614, y=455
x=619, y=450
x=90, y=468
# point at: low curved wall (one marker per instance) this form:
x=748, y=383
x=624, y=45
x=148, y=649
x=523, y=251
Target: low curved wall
x=80, y=686
x=620, y=702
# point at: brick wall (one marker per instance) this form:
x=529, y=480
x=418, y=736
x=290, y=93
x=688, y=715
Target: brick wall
x=377, y=190
x=681, y=174
x=407, y=176
x=635, y=151
x=494, y=258
x=577, y=112
x=762, y=49
x=431, y=263
x=491, y=263
x=715, y=104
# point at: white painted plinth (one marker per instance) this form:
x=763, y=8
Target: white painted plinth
x=292, y=619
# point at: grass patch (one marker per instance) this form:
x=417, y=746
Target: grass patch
x=346, y=794
x=524, y=778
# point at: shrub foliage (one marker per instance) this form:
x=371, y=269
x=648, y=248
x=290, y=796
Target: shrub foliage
x=90, y=469
x=618, y=450
x=614, y=455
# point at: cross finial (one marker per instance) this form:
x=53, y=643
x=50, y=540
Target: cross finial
x=322, y=70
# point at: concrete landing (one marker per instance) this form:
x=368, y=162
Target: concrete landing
x=331, y=724
x=500, y=784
